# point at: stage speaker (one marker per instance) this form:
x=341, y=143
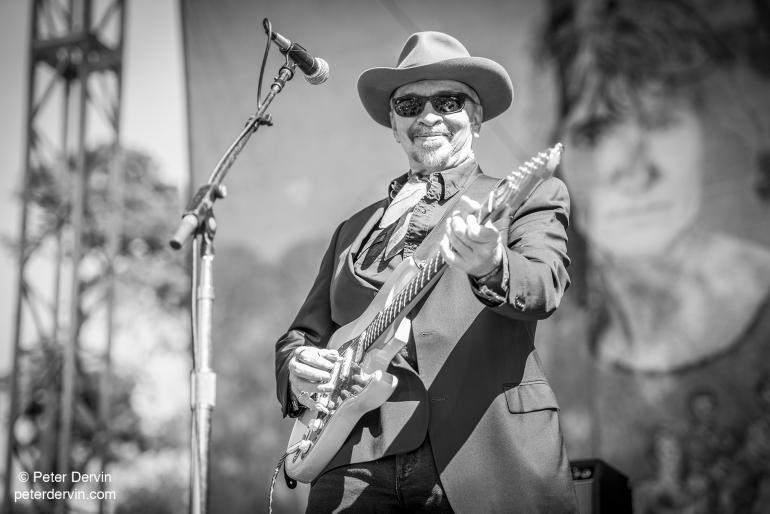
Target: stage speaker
x=600, y=488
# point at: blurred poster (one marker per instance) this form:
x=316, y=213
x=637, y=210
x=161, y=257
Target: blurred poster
x=660, y=357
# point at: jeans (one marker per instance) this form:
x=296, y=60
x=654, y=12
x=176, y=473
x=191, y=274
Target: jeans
x=399, y=483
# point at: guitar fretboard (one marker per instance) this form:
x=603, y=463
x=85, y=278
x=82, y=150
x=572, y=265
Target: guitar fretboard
x=431, y=270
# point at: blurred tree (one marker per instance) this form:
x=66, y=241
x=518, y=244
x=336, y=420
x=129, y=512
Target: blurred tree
x=141, y=215
x=255, y=303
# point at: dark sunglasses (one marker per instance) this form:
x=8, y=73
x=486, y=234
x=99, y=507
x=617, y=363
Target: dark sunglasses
x=443, y=103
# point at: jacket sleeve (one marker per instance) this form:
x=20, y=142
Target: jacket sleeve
x=537, y=254
x=312, y=326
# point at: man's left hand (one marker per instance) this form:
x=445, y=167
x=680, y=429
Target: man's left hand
x=475, y=249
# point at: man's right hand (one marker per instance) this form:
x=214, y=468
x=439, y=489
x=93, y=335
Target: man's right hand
x=310, y=370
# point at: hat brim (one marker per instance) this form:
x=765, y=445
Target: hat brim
x=490, y=81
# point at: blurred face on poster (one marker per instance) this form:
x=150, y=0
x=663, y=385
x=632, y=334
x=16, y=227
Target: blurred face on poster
x=636, y=176
x=635, y=166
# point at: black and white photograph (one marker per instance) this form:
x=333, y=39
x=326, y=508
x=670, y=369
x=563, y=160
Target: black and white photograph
x=385, y=256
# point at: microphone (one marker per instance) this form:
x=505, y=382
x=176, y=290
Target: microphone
x=316, y=70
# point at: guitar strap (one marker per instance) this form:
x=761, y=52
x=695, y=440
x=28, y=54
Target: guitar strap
x=477, y=188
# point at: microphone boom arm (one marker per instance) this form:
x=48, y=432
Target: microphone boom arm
x=203, y=200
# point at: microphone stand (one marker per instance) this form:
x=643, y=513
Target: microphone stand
x=199, y=223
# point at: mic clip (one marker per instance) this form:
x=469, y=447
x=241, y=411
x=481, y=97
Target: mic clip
x=265, y=120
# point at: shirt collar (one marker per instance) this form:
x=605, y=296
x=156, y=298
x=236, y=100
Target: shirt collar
x=443, y=184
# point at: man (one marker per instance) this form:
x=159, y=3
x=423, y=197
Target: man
x=472, y=425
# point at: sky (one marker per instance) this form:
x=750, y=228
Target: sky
x=153, y=115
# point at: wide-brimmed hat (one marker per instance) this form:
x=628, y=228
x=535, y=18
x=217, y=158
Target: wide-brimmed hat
x=436, y=56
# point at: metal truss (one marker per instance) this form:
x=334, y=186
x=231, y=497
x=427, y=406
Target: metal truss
x=73, y=106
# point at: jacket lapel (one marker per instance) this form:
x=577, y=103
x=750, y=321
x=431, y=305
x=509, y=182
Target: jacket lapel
x=350, y=294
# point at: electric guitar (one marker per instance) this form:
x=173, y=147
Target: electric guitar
x=372, y=340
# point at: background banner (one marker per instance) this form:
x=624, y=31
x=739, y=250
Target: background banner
x=659, y=354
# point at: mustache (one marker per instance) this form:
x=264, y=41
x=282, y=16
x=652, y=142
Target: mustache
x=423, y=132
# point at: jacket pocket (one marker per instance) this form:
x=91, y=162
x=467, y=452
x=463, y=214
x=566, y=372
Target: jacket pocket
x=530, y=397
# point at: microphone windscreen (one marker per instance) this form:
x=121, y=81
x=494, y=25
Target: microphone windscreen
x=321, y=75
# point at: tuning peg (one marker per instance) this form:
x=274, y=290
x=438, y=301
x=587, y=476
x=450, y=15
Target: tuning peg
x=554, y=156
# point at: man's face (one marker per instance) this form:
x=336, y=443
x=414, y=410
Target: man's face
x=636, y=179
x=434, y=141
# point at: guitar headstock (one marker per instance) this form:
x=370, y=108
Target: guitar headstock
x=514, y=189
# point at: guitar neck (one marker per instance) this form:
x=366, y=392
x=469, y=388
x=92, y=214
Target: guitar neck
x=431, y=270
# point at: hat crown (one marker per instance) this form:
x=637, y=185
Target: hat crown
x=430, y=47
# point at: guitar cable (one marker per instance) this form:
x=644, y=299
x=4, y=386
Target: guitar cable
x=296, y=447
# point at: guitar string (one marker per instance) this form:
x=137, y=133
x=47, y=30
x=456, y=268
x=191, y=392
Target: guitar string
x=384, y=319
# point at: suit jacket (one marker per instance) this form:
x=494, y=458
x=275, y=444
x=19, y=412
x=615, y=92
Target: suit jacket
x=480, y=394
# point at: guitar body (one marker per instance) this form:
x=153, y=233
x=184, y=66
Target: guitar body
x=304, y=466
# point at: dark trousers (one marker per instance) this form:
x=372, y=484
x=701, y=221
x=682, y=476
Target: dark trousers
x=400, y=483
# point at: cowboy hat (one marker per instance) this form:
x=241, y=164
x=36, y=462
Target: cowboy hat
x=436, y=56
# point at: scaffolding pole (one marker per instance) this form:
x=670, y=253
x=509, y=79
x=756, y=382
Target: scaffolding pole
x=73, y=44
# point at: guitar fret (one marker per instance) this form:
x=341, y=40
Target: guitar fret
x=387, y=316
x=391, y=308
x=370, y=331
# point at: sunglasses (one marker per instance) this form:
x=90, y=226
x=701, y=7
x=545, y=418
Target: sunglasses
x=443, y=103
